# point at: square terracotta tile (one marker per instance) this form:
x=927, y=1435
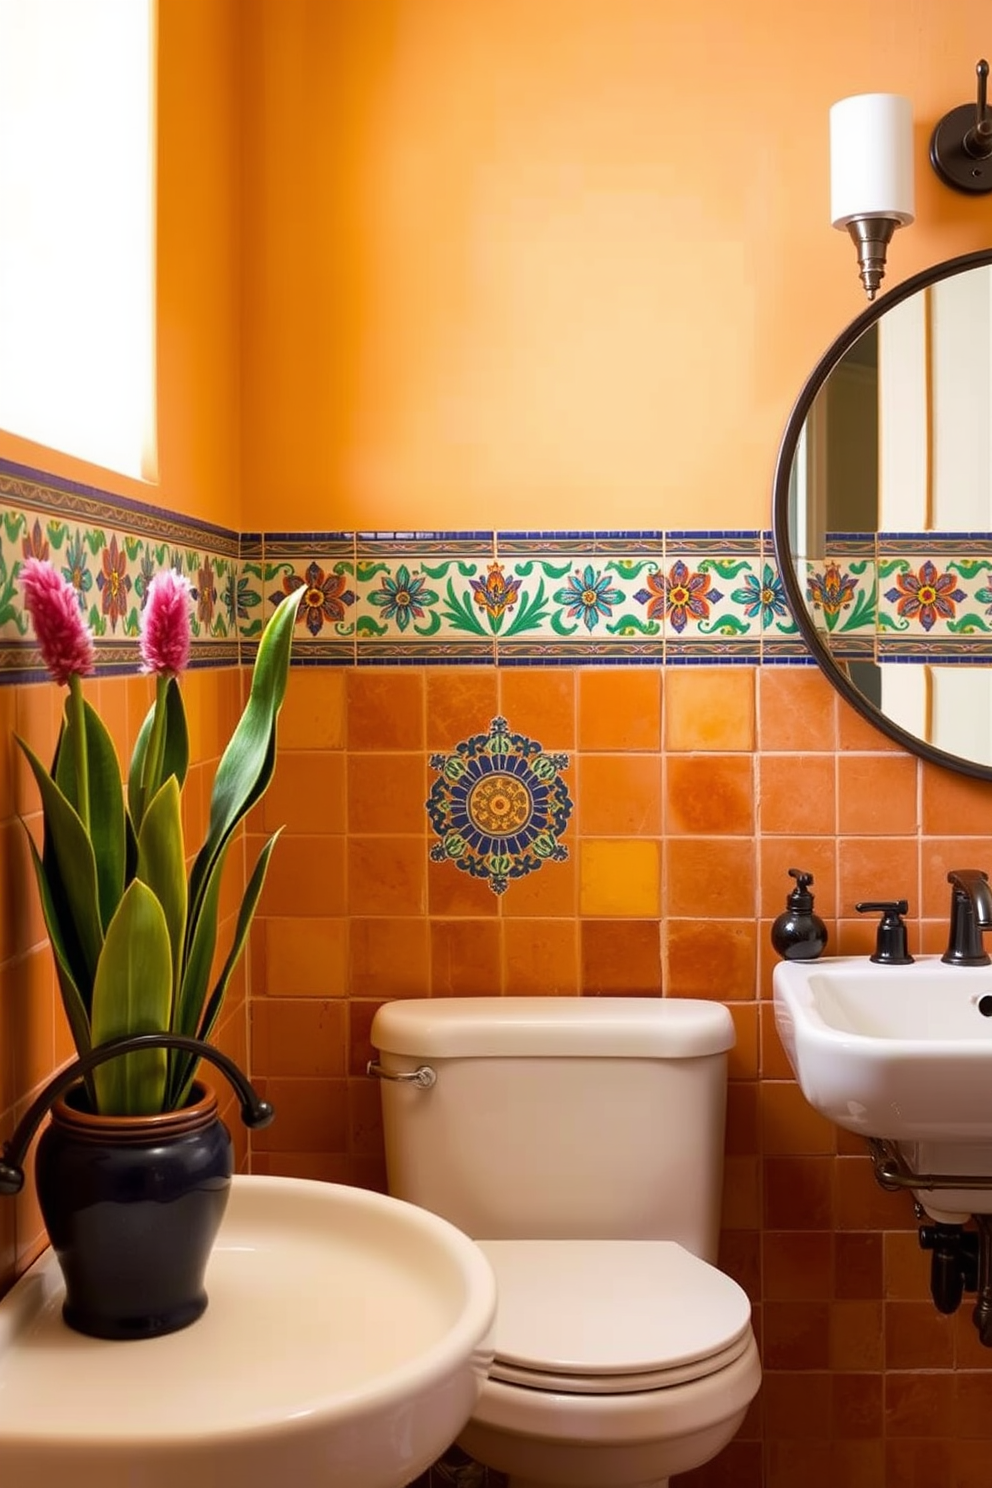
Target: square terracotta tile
x=797, y=794
x=619, y=708
x=465, y=958
x=461, y=701
x=620, y=958
x=709, y=708
x=706, y=960
x=709, y=795
x=710, y=878
x=539, y=702
x=386, y=793
x=541, y=958
x=314, y=710
x=386, y=708
x=877, y=795
x=797, y=710
x=618, y=794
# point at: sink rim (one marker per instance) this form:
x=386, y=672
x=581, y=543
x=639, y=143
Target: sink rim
x=461, y=1346
x=792, y=992
x=911, y=1088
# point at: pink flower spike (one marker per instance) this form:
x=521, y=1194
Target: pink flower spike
x=64, y=638
x=165, y=624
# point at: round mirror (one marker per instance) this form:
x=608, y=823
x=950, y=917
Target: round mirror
x=883, y=514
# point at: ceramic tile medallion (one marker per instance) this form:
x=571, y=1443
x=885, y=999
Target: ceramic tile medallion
x=499, y=806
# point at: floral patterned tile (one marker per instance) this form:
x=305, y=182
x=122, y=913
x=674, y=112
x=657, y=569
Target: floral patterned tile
x=420, y=596
x=321, y=568
x=709, y=588
x=935, y=595
x=764, y=595
x=110, y=568
x=579, y=596
x=841, y=595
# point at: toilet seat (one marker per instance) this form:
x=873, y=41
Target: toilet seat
x=611, y=1317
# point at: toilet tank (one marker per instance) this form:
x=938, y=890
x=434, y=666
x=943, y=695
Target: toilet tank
x=559, y=1117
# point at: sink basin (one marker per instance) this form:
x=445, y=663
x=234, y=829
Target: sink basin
x=346, y=1340
x=897, y=1052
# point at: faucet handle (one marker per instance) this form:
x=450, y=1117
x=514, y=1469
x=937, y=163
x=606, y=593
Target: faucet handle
x=891, y=948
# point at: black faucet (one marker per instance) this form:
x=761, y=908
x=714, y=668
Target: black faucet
x=971, y=913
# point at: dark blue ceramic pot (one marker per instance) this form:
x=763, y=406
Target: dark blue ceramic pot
x=132, y=1204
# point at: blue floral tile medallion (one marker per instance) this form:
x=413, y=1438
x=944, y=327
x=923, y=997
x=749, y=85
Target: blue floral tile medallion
x=499, y=806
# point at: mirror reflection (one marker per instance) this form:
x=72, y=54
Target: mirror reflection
x=883, y=513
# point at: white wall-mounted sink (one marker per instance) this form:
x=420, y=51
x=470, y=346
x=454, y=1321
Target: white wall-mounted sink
x=345, y=1342
x=899, y=1052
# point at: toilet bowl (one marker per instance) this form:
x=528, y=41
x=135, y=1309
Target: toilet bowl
x=579, y=1141
x=616, y=1362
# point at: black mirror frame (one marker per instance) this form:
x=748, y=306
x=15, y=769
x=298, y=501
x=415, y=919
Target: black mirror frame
x=780, y=514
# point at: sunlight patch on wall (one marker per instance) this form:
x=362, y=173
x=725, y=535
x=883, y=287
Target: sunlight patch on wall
x=77, y=228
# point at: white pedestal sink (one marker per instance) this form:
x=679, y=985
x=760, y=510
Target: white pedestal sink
x=902, y=1054
x=345, y=1343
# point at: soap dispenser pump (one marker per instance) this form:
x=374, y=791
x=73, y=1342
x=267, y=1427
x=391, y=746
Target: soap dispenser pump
x=799, y=934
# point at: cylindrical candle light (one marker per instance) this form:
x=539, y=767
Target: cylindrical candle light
x=871, y=175
x=871, y=158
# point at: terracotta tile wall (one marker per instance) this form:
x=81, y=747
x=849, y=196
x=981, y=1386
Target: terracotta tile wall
x=34, y=1038
x=695, y=789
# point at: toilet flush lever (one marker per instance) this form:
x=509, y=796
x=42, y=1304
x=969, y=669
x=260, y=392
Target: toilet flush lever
x=423, y=1078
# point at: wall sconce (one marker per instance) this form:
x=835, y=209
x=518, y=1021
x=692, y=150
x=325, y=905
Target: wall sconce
x=961, y=144
x=871, y=175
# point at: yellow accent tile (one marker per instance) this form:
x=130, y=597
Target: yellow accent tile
x=621, y=879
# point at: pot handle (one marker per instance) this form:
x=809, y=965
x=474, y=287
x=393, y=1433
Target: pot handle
x=255, y=1112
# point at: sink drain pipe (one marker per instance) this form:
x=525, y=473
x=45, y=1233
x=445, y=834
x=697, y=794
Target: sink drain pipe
x=961, y=1260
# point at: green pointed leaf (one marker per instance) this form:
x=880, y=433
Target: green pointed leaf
x=184, y=1065
x=72, y=999
x=175, y=760
x=133, y=994
x=72, y=853
x=106, y=803
x=162, y=864
x=201, y=941
x=249, y=759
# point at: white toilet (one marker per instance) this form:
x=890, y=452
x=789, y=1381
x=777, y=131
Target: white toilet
x=580, y=1141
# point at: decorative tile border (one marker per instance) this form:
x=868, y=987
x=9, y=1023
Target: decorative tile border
x=109, y=549
x=488, y=597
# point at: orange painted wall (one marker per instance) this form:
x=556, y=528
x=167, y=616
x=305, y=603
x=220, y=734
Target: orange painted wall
x=522, y=263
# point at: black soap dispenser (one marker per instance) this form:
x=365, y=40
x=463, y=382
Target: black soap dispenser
x=799, y=934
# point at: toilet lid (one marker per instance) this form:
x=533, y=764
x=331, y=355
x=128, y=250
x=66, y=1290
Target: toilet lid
x=607, y=1316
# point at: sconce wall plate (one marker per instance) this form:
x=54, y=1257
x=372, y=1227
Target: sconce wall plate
x=961, y=144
